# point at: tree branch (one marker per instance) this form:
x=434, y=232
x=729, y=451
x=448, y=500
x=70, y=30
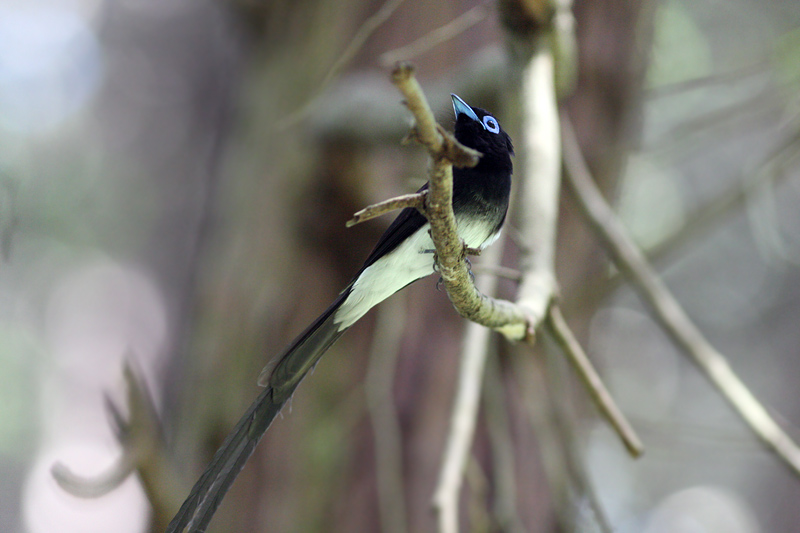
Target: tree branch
x=143, y=452
x=386, y=429
x=364, y=32
x=541, y=182
x=416, y=200
x=445, y=151
x=667, y=311
x=563, y=336
x=441, y=34
x=464, y=416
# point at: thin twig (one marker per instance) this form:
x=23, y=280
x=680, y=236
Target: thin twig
x=731, y=199
x=711, y=80
x=691, y=135
x=498, y=270
x=97, y=486
x=501, y=440
x=364, y=32
x=673, y=319
x=379, y=388
x=558, y=328
x=436, y=37
x=416, y=200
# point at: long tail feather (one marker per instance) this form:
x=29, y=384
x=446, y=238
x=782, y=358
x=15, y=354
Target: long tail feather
x=280, y=379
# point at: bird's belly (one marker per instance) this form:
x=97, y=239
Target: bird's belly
x=475, y=232
x=410, y=261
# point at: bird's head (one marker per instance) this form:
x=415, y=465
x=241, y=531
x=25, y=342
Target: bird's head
x=478, y=129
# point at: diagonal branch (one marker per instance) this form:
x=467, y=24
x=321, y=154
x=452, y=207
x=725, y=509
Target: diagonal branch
x=416, y=200
x=364, y=32
x=673, y=319
x=441, y=34
x=566, y=340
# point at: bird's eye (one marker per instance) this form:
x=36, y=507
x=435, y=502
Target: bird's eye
x=491, y=124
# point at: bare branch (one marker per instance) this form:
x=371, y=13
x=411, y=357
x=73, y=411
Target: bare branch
x=143, y=453
x=666, y=309
x=771, y=171
x=541, y=176
x=560, y=331
x=731, y=199
x=383, y=416
x=501, y=439
x=436, y=37
x=711, y=80
x=368, y=28
x=541, y=182
x=498, y=270
x=416, y=200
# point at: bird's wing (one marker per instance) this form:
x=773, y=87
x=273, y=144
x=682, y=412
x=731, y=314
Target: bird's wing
x=407, y=222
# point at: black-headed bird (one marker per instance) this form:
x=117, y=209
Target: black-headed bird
x=403, y=254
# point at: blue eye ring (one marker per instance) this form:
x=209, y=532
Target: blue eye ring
x=491, y=124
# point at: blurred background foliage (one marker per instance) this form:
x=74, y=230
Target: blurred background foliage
x=174, y=180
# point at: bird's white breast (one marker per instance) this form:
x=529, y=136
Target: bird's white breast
x=410, y=261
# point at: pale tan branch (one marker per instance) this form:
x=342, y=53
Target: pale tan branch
x=564, y=337
x=415, y=200
x=667, y=311
x=771, y=171
x=541, y=182
x=538, y=218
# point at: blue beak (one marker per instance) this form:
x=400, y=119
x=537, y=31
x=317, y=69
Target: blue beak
x=461, y=108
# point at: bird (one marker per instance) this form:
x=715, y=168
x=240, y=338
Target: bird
x=402, y=255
